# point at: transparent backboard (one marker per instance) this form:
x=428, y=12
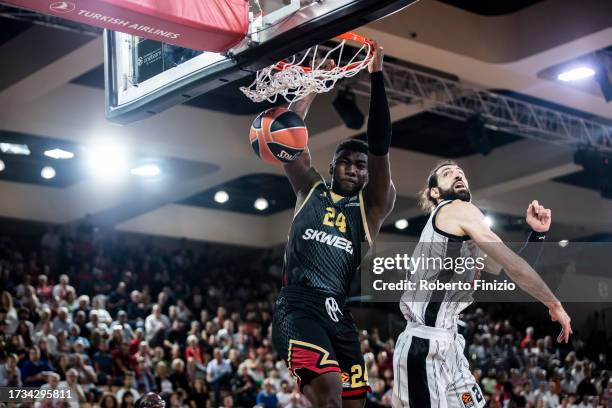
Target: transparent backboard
x=144, y=77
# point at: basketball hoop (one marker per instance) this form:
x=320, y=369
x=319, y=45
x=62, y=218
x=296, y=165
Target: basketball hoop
x=308, y=71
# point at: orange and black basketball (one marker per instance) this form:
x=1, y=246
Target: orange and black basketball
x=278, y=136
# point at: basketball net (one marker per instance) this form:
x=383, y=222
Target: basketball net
x=309, y=71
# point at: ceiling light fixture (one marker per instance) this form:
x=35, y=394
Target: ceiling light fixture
x=401, y=224
x=107, y=161
x=47, y=173
x=13, y=148
x=59, y=154
x=221, y=197
x=576, y=74
x=147, y=170
x=261, y=204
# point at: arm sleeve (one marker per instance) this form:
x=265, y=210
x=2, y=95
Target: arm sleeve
x=379, y=121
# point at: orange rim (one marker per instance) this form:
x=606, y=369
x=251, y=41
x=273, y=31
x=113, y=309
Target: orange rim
x=350, y=36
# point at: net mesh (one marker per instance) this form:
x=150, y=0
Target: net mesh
x=309, y=71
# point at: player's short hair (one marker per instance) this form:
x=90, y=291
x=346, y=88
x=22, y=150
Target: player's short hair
x=353, y=145
x=426, y=201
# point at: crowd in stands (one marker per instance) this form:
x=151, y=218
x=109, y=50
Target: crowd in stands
x=112, y=316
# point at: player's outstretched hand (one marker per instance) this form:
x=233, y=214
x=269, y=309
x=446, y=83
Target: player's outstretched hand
x=538, y=217
x=558, y=314
x=376, y=63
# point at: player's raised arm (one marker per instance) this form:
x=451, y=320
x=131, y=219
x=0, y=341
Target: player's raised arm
x=472, y=222
x=379, y=193
x=299, y=172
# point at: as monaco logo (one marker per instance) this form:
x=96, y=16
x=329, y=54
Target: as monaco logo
x=62, y=6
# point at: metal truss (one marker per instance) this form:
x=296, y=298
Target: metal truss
x=498, y=112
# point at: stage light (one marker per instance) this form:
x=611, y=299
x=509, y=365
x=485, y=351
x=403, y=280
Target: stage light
x=563, y=243
x=489, y=221
x=2, y=166
x=576, y=74
x=12, y=148
x=261, y=204
x=346, y=107
x=146, y=170
x=221, y=197
x=107, y=161
x=401, y=224
x=47, y=172
x=59, y=154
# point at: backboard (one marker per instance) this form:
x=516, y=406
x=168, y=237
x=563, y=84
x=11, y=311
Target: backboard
x=144, y=77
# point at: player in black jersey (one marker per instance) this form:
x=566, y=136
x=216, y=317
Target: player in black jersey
x=313, y=329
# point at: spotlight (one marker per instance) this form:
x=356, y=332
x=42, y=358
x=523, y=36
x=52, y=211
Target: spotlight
x=147, y=170
x=401, y=224
x=478, y=135
x=47, y=172
x=59, y=154
x=563, y=243
x=2, y=166
x=12, y=148
x=346, y=107
x=489, y=221
x=576, y=74
x=261, y=204
x=222, y=197
x=107, y=161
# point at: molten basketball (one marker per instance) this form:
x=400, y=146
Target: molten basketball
x=278, y=136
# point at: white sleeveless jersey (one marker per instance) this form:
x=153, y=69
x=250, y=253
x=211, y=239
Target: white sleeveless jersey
x=439, y=308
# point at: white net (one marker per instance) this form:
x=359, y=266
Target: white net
x=309, y=72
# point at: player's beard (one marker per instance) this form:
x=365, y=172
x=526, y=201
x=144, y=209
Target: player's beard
x=452, y=194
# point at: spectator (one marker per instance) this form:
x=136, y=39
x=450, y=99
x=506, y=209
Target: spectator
x=179, y=376
x=128, y=400
x=284, y=394
x=108, y=400
x=62, y=321
x=9, y=373
x=104, y=364
x=155, y=323
x=162, y=383
x=218, y=372
x=10, y=313
x=266, y=397
x=62, y=288
x=34, y=370
x=128, y=387
x=52, y=383
x=86, y=373
x=244, y=387
x=199, y=395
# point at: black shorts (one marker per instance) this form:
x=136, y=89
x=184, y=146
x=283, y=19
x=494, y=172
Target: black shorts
x=314, y=332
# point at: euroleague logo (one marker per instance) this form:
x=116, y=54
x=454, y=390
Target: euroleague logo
x=467, y=400
x=62, y=6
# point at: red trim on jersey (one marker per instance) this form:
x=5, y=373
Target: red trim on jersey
x=354, y=393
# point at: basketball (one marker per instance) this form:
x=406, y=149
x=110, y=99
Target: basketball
x=278, y=136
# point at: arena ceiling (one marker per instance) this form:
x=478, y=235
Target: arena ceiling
x=51, y=94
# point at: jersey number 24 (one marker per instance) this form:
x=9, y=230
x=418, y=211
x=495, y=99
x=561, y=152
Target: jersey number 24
x=332, y=219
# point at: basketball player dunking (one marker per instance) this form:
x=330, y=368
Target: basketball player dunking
x=313, y=329
x=429, y=367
